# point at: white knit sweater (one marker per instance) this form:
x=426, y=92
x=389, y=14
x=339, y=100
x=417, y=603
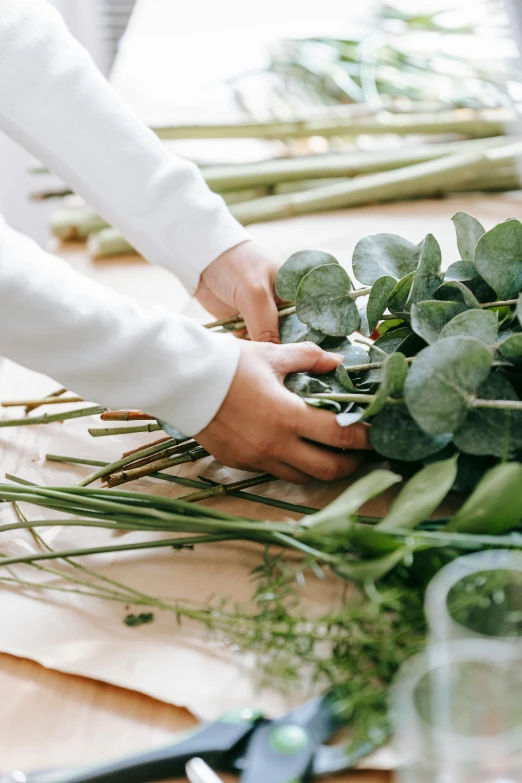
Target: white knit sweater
x=54, y=101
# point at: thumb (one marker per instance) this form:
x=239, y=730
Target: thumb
x=261, y=316
x=304, y=357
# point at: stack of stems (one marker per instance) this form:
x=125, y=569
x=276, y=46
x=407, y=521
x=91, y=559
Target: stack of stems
x=467, y=167
x=231, y=489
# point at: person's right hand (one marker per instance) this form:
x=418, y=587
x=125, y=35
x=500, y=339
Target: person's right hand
x=261, y=426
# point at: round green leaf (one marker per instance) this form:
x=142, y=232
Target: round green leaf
x=384, y=254
x=443, y=380
x=395, y=435
x=430, y=317
x=498, y=258
x=469, y=231
x=427, y=277
x=511, y=348
x=378, y=301
x=519, y=309
x=455, y=291
x=292, y=330
x=487, y=431
x=467, y=273
x=295, y=268
x=482, y=324
x=323, y=301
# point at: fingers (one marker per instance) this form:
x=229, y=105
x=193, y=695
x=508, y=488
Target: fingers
x=321, y=463
x=304, y=357
x=321, y=426
x=260, y=313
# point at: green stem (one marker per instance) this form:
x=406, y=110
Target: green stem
x=39, y=402
x=133, y=474
x=227, y=489
x=111, y=467
x=472, y=123
x=100, y=432
x=186, y=482
x=47, y=418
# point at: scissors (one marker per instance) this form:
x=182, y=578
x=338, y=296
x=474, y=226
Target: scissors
x=287, y=750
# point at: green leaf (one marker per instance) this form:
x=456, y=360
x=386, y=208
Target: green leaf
x=482, y=324
x=323, y=301
x=519, y=309
x=421, y=496
x=428, y=276
x=442, y=381
x=394, y=374
x=511, y=348
x=498, y=258
x=488, y=431
x=457, y=292
x=344, y=379
x=495, y=506
x=378, y=301
x=467, y=273
x=399, y=295
x=295, y=268
x=461, y=271
x=396, y=435
x=430, y=317
x=303, y=384
x=370, y=570
x=384, y=254
x=292, y=330
x=331, y=405
x=469, y=231
x=339, y=515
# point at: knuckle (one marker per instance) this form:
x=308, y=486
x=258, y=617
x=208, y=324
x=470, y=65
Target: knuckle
x=330, y=470
x=266, y=447
x=311, y=349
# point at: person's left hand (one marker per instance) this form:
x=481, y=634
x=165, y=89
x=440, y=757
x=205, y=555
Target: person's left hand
x=242, y=281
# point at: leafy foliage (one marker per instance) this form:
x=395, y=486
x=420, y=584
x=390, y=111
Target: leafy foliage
x=447, y=362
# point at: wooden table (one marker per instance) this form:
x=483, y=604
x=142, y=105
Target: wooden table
x=49, y=719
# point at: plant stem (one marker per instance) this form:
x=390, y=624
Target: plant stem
x=101, y=432
x=57, y=393
x=133, y=474
x=140, y=448
x=285, y=310
x=466, y=123
x=227, y=489
x=47, y=418
x=337, y=164
x=37, y=403
x=126, y=416
x=111, y=467
x=185, y=482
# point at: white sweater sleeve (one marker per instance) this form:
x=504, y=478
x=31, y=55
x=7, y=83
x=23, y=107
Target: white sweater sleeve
x=54, y=101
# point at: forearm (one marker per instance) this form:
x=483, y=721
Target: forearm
x=54, y=101
x=104, y=346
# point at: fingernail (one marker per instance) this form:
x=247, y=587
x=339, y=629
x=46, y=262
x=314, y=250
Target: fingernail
x=338, y=356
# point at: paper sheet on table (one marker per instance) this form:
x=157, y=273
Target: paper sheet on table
x=183, y=665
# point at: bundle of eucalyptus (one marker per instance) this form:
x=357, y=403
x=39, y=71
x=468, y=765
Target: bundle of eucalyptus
x=443, y=372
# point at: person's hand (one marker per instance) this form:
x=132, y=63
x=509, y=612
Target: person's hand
x=261, y=426
x=242, y=281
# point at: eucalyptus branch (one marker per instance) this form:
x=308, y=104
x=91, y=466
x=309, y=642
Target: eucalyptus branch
x=227, y=489
x=132, y=474
x=47, y=418
x=126, y=416
x=186, y=482
x=52, y=400
x=111, y=467
x=101, y=432
x=58, y=393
